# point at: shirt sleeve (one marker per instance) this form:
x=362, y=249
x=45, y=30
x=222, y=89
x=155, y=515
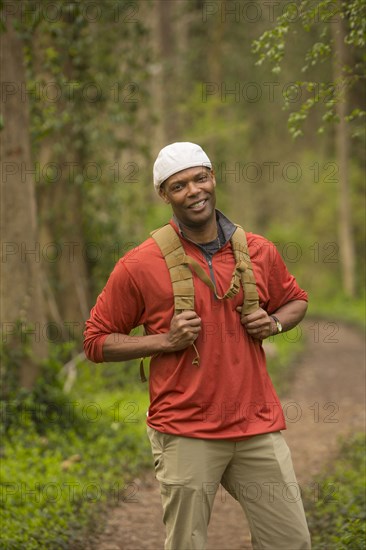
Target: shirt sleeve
x=282, y=286
x=118, y=309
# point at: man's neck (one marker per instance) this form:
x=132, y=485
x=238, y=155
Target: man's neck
x=202, y=234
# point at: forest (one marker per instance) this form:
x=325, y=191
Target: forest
x=274, y=92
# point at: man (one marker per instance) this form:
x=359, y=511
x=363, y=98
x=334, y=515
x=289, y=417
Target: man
x=216, y=420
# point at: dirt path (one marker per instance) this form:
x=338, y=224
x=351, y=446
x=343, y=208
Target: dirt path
x=326, y=400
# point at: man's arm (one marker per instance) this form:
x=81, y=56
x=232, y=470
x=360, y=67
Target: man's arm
x=261, y=325
x=184, y=329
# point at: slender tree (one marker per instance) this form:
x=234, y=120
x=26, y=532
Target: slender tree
x=342, y=148
x=340, y=35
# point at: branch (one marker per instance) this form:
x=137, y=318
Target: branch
x=70, y=370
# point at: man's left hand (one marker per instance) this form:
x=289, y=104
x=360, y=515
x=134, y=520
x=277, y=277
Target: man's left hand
x=258, y=324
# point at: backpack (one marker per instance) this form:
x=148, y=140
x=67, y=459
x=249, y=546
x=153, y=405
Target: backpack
x=181, y=266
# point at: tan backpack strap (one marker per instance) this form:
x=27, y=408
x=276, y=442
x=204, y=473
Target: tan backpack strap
x=180, y=274
x=241, y=252
x=201, y=274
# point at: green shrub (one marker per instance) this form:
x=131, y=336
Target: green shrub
x=284, y=351
x=337, y=521
x=64, y=456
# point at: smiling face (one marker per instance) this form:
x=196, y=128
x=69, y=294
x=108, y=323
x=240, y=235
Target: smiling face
x=191, y=194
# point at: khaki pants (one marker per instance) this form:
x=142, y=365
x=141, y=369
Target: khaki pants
x=257, y=472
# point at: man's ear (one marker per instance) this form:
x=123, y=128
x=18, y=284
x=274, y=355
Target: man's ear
x=163, y=194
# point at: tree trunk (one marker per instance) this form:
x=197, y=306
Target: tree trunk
x=60, y=204
x=61, y=233
x=342, y=146
x=167, y=54
x=21, y=288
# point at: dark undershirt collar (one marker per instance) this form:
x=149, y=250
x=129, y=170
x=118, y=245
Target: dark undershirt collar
x=225, y=230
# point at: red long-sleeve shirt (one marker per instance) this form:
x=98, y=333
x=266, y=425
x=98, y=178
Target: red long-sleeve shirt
x=230, y=394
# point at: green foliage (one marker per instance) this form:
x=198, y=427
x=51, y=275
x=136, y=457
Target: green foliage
x=64, y=456
x=89, y=436
x=283, y=351
x=318, y=17
x=88, y=86
x=355, y=12
x=353, y=313
x=22, y=407
x=70, y=53
x=338, y=520
x=307, y=237
x=11, y=357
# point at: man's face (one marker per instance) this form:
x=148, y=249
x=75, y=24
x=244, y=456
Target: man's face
x=191, y=194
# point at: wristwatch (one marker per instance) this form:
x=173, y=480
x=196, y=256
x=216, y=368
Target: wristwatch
x=278, y=324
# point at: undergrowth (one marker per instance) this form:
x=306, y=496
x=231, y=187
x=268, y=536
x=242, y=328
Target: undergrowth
x=63, y=456
x=337, y=520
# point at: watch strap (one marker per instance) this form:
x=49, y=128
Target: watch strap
x=278, y=323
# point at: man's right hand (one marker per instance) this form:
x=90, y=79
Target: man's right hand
x=184, y=330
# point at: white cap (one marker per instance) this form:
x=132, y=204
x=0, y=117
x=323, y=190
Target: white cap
x=176, y=157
